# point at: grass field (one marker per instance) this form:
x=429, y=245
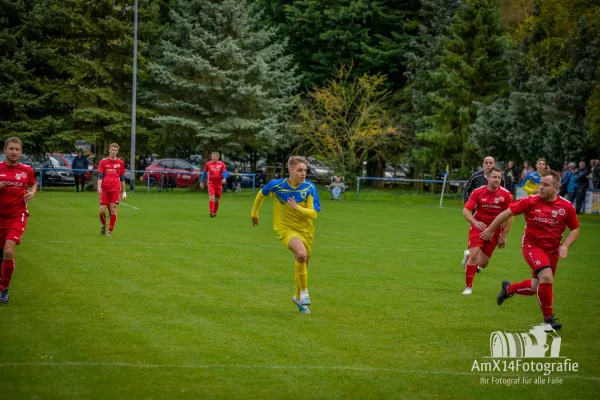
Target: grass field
x=177, y=305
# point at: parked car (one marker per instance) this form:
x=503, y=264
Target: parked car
x=185, y=174
x=52, y=172
x=318, y=171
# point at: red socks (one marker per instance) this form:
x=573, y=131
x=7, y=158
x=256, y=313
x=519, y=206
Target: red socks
x=522, y=288
x=8, y=267
x=103, y=219
x=113, y=221
x=545, y=297
x=213, y=206
x=470, y=274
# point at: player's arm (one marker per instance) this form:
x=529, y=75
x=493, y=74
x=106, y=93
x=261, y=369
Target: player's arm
x=467, y=212
x=563, y=249
x=224, y=174
x=488, y=233
x=505, y=229
x=31, y=187
x=468, y=190
x=100, y=176
x=258, y=201
x=308, y=212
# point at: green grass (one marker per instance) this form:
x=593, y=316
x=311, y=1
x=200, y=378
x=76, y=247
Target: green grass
x=180, y=306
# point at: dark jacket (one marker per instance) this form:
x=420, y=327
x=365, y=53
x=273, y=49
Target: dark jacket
x=566, y=177
x=596, y=177
x=477, y=180
x=582, y=179
x=510, y=177
x=79, y=163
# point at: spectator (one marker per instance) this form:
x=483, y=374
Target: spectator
x=526, y=170
x=565, y=179
x=79, y=167
x=572, y=187
x=337, y=187
x=595, y=175
x=583, y=184
x=511, y=174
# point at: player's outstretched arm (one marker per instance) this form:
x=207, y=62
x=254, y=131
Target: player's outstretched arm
x=563, y=249
x=506, y=228
x=488, y=233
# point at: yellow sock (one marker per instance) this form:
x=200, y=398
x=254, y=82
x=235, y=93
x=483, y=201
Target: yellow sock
x=301, y=277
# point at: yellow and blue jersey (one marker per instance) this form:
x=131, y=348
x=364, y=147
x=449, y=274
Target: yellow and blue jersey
x=285, y=218
x=531, y=183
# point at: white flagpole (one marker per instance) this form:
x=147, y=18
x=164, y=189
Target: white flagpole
x=443, y=188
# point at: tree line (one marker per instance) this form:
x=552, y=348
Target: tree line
x=427, y=82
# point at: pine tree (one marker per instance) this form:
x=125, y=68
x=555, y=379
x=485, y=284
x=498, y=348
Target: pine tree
x=221, y=79
x=470, y=66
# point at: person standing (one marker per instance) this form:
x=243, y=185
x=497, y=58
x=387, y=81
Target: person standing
x=564, y=180
x=217, y=177
x=111, y=181
x=583, y=184
x=79, y=167
x=17, y=188
x=511, y=173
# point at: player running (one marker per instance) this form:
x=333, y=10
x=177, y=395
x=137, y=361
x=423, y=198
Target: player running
x=296, y=204
x=217, y=177
x=487, y=201
x=547, y=216
x=111, y=182
x=477, y=180
x=17, y=187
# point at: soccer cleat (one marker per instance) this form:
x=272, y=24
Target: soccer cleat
x=553, y=322
x=4, y=296
x=304, y=298
x=503, y=295
x=479, y=269
x=302, y=308
x=109, y=233
x=468, y=290
x=465, y=258
x=212, y=215
x=103, y=230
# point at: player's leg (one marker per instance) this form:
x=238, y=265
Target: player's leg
x=301, y=272
x=546, y=295
x=217, y=197
x=113, y=217
x=534, y=258
x=471, y=268
x=211, y=199
x=7, y=267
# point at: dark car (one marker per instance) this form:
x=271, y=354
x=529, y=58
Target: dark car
x=184, y=173
x=52, y=173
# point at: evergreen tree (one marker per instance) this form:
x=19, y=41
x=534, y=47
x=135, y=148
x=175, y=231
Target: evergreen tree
x=471, y=66
x=221, y=79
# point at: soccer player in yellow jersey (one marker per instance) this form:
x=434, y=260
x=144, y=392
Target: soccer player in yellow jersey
x=295, y=207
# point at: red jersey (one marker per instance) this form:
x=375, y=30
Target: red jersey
x=113, y=170
x=12, y=196
x=215, y=171
x=488, y=204
x=545, y=221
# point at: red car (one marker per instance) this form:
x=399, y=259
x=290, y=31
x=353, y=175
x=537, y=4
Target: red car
x=184, y=173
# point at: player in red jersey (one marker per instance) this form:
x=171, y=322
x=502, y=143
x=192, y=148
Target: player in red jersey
x=17, y=187
x=547, y=215
x=111, y=182
x=488, y=201
x=217, y=177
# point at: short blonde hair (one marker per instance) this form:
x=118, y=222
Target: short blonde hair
x=13, y=139
x=110, y=146
x=555, y=176
x=293, y=160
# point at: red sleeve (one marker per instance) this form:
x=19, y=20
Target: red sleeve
x=122, y=168
x=101, y=167
x=472, y=202
x=572, y=221
x=510, y=200
x=520, y=206
x=31, y=176
x=206, y=167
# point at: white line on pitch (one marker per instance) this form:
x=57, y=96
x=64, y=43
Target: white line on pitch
x=290, y=367
x=130, y=206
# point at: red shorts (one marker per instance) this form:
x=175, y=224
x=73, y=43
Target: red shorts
x=107, y=198
x=215, y=189
x=12, y=229
x=486, y=246
x=538, y=258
